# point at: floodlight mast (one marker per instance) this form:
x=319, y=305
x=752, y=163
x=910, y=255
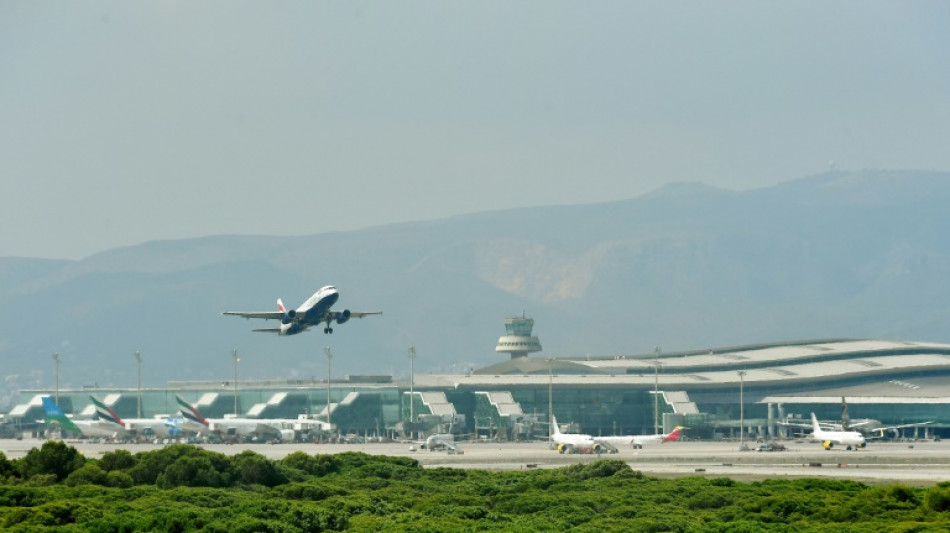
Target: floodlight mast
x=234, y=355
x=138, y=358
x=741, y=409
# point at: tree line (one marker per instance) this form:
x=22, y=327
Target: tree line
x=186, y=488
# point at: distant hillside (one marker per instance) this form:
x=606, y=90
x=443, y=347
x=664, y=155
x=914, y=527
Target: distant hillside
x=686, y=267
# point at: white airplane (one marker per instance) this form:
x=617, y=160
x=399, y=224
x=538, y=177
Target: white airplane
x=440, y=441
x=639, y=440
x=842, y=438
x=85, y=428
x=573, y=442
x=283, y=429
x=316, y=310
x=159, y=427
x=869, y=427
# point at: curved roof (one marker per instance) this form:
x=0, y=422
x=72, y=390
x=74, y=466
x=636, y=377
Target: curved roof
x=821, y=364
x=537, y=365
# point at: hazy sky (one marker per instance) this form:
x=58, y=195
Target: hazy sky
x=125, y=122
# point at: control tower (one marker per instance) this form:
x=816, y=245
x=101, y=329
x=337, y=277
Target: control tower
x=518, y=340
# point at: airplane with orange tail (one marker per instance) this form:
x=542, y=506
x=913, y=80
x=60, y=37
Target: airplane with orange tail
x=637, y=441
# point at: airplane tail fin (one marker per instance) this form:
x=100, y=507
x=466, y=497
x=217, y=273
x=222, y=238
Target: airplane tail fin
x=50, y=408
x=814, y=423
x=673, y=435
x=56, y=415
x=190, y=412
x=554, y=429
x=106, y=413
x=280, y=306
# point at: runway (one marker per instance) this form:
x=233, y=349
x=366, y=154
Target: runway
x=916, y=463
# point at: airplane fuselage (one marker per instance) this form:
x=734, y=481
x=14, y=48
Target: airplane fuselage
x=312, y=312
x=828, y=439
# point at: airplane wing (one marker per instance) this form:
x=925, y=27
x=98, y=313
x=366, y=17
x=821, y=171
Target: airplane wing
x=881, y=430
x=267, y=330
x=361, y=314
x=266, y=315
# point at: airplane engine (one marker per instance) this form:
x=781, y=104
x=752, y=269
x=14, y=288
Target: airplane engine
x=828, y=444
x=342, y=316
x=565, y=448
x=597, y=448
x=287, y=435
x=288, y=317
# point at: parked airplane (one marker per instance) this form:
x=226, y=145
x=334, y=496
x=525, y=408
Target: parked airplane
x=440, y=441
x=85, y=428
x=830, y=438
x=869, y=427
x=639, y=440
x=142, y=427
x=316, y=310
x=283, y=429
x=573, y=442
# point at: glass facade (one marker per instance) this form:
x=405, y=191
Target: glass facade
x=519, y=326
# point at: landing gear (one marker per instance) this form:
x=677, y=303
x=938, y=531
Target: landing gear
x=328, y=330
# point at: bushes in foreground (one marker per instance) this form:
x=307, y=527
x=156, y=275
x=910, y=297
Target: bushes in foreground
x=186, y=488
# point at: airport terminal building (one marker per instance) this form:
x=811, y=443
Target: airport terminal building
x=712, y=391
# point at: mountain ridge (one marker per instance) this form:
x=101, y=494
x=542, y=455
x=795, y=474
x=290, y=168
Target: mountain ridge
x=858, y=255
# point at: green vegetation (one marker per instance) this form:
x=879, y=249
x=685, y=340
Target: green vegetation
x=185, y=488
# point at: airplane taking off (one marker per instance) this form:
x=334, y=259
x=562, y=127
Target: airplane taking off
x=573, y=442
x=316, y=310
x=639, y=440
x=842, y=438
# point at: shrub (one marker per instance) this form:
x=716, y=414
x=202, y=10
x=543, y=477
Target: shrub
x=938, y=498
x=88, y=474
x=315, y=465
x=119, y=480
x=193, y=471
x=255, y=469
x=117, y=460
x=151, y=465
x=53, y=458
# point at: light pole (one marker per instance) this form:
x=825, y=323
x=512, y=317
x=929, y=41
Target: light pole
x=550, y=399
x=237, y=360
x=656, y=390
x=56, y=363
x=412, y=379
x=741, y=409
x=138, y=357
x=327, y=351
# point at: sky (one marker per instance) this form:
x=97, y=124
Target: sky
x=128, y=122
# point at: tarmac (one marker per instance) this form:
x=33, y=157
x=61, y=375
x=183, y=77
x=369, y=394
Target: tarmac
x=920, y=463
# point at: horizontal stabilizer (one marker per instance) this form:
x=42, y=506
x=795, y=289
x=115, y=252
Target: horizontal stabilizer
x=268, y=330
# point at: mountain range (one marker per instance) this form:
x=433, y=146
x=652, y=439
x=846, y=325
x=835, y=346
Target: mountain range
x=687, y=267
